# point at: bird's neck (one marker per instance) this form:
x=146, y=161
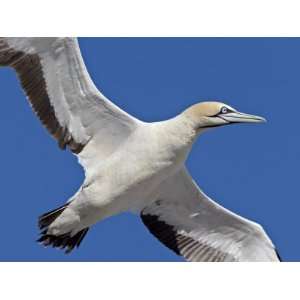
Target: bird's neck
x=183, y=129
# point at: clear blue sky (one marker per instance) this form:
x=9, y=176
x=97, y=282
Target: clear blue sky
x=250, y=169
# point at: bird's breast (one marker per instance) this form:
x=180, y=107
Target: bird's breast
x=150, y=161
x=131, y=177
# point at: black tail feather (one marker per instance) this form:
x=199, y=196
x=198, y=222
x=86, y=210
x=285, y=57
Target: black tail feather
x=64, y=241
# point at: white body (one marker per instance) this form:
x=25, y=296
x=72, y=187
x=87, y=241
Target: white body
x=130, y=178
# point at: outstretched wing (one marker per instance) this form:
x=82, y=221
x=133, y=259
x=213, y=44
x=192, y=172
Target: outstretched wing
x=62, y=94
x=192, y=225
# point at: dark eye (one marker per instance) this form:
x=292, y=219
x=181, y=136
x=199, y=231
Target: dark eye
x=224, y=110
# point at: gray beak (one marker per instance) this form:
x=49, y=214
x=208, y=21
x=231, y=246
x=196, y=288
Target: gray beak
x=238, y=117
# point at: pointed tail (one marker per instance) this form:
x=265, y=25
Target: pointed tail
x=64, y=241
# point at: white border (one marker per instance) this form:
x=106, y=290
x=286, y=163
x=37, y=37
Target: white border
x=149, y=281
x=150, y=18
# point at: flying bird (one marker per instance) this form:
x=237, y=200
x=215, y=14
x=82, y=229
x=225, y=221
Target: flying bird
x=129, y=165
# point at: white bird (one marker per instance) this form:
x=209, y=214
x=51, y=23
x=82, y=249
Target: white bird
x=129, y=165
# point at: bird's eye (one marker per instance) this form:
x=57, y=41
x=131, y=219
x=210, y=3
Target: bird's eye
x=224, y=110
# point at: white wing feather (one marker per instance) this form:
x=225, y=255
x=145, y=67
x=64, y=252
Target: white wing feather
x=87, y=122
x=194, y=226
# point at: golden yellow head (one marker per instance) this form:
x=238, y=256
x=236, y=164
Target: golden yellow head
x=213, y=114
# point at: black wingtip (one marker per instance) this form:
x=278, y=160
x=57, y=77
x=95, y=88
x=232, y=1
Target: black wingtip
x=279, y=257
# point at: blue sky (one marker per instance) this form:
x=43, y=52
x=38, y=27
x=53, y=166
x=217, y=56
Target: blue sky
x=250, y=169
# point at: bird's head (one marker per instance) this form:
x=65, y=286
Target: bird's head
x=213, y=114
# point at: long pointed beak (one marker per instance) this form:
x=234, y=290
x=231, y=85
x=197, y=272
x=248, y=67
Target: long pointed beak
x=238, y=117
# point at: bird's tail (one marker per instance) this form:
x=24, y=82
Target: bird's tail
x=64, y=241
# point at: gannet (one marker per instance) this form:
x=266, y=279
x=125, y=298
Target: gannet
x=130, y=165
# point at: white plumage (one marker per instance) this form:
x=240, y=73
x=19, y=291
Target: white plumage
x=130, y=165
